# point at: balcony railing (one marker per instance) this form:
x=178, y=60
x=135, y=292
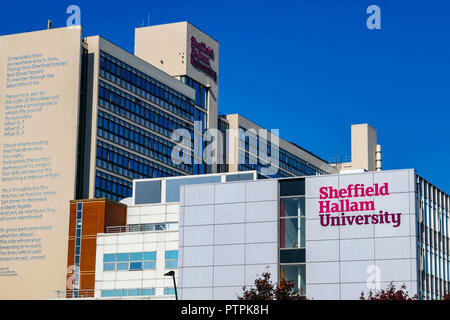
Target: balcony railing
x=76, y=294
x=167, y=226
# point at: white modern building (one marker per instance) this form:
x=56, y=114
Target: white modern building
x=131, y=260
x=335, y=236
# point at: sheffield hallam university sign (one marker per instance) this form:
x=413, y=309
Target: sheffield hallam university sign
x=201, y=57
x=342, y=207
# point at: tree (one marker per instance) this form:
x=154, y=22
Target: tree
x=265, y=289
x=391, y=293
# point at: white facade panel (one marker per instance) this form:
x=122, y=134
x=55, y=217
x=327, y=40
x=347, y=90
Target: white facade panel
x=392, y=248
x=198, y=215
x=322, y=291
x=228, y=275
x=229, y=255
x=325, y=250
x=261, y=190
x=197, y=277
x=356, y=271
x=261, y=232
x=229, y=213
x=322, y=272
x=261, y=211
x=198, y=236
x=357, y=249
x=195, y=195
x=198, y=256
x=227, y=293
x=263, y=253
x=229, y=193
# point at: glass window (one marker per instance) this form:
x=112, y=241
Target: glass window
x=171, y=264
x=109, y=267
x=292, y=256
x=107, y=293
x=136, y=256
x=295, y=273
x=121, y=292
x=149, y=265
x=292, y=207
x=171, y=259
x=172, y=254
x=292, y=233
x=148, y=292
x=292, y=187
x=109, y=257
x=150, y=255
x=122, y=266
x=135, y=266
x=133, y=292
x=169, y=291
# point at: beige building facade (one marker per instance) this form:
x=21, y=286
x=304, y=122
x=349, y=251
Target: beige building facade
x=39, y=111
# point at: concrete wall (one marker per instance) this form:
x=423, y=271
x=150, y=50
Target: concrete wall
x=168, y=47
x=39, y=108
x=228, y=237
x=342, y=259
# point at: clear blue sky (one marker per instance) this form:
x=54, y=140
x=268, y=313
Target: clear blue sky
x=310, y=68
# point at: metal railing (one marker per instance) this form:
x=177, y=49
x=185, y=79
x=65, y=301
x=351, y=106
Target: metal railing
x=76, y=294
x=138, y=293
x=168, y=226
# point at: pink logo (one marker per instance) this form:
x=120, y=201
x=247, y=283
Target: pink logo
x=345, y=208
x=200, y=57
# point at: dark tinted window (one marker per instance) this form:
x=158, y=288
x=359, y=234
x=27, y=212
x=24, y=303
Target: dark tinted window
x=292, y=187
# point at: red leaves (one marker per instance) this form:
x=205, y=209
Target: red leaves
x=391, y=293
x=264, y=289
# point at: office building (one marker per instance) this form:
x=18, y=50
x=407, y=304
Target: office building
x=334, y=236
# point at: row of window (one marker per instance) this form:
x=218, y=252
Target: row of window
x=129, y=165
x=137, y=261
x=139, y=111
x=119, y=188
x=292, y=233
x=200, y=91
x=135, y=138
x=293, y=164
x=135, y=81
x=134, y=292
x=128, y=292
x=78, y=233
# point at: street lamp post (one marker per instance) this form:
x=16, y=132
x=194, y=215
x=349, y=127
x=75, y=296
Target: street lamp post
x=172, y=274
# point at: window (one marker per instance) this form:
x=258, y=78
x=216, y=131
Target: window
x=128, y=292
x=129, y=261
x=172, y=259
x=292, y=222
x=149, y=260
x=169, y=291
x=295, y=273
x=292, y=232
x=108, y=293
x=292, y=207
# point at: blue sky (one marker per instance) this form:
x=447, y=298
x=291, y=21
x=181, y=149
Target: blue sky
x=310, y=68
